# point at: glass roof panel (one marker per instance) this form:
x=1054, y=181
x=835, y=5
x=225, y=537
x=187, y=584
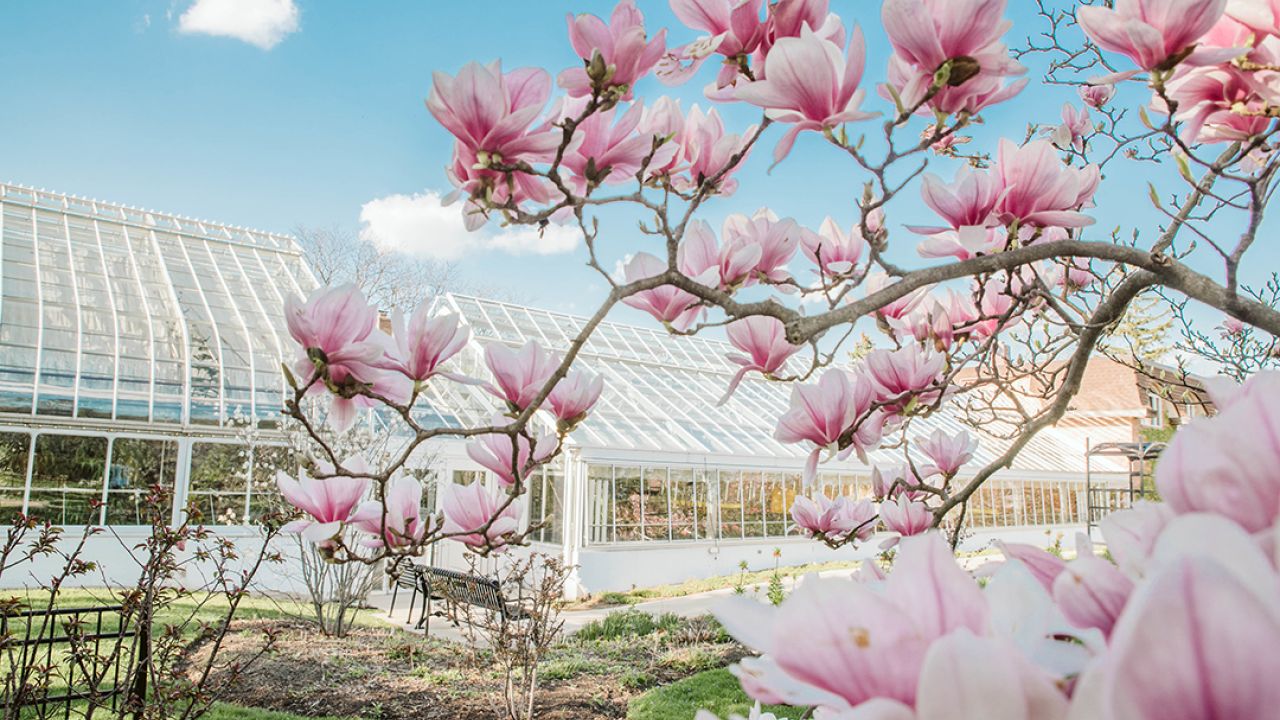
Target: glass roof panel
x=108, y=311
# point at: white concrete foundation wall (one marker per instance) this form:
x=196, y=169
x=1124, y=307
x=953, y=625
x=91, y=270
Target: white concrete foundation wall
x=118, y=557
x=600, y=569
x=627, y=567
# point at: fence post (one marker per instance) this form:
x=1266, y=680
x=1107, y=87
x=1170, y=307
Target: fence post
x=138, y=690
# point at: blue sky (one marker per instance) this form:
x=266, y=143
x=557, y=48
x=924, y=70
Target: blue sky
x=113, y=101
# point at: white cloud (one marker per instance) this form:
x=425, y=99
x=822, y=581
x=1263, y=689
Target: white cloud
x=619, y=273
x=421, y=224
x=263, y=23
x=524, y=240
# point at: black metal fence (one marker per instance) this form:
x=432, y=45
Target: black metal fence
x=72, y=662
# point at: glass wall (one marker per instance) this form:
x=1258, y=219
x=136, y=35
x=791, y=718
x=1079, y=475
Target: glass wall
x=94, y=479
x=545, y=499
x=67, y=479
x=14, y=451
x=633, y=503
x=137, y=465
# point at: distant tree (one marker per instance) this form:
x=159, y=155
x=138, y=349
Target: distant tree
x=391, y=280
x=1143, y=331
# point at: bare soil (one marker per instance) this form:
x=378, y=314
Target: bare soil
x=387, y=674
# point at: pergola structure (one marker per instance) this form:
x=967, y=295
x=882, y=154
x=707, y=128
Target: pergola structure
x=1105, y=496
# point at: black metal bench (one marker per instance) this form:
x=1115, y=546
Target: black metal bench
x=450, y=586
x=407, y=574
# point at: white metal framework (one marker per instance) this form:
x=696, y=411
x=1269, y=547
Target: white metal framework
x=658, y=461
x=133, y=344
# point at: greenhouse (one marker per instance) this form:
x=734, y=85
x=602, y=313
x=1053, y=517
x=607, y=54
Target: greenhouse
x=659, y=468
x=138, y=348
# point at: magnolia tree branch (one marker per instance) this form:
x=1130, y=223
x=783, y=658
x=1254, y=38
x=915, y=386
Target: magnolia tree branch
x=1031, y=283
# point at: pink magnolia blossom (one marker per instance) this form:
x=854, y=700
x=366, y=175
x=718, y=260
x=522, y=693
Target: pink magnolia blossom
x=926, y=34
x=734, y=28
x=709, y=151
x=1197, y=637
x=764, y=340
x=1261, y=16
x=667, y=303
x=1231, y=327
x=1071, y=275
x=1096, y=96
x=470, y=173
x=1210, y=101
x=947, y=453
x=1039, y=189
x=607, y=151
x=903, y=374
x=700, y=257
x=494, y=452
x=1043, y=565
x=996, y=300
x=823, y=517
x=913, y=85
x=777, y=239
x=328, y=502
x=905, y=516
x=874, y=640
x=967, y=677
x=520, y=374
x=1075, y=126
x=574, y=396
x=809, y=85
x=968, y=242
x=622, y=45
x=820, y=413
x=960, y=308
x=663, y=121
x=403, y=524
x=1131, y=534
x=1155, y=34
x=890, y=481
x=790, y=19
x=1211, y=466
x=1091, y=591
x=335, y=329
x=478, y=516
x=491, y=113
x=968, y=202
x=878, y=281
x=918, y=324
x=425, y=343
x=833, y=250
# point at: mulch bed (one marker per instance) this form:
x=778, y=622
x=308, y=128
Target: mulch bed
x=387, y=674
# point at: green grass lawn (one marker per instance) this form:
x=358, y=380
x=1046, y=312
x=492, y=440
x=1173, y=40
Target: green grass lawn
x=206, y=608
x=200, y=608
x=714, y=690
